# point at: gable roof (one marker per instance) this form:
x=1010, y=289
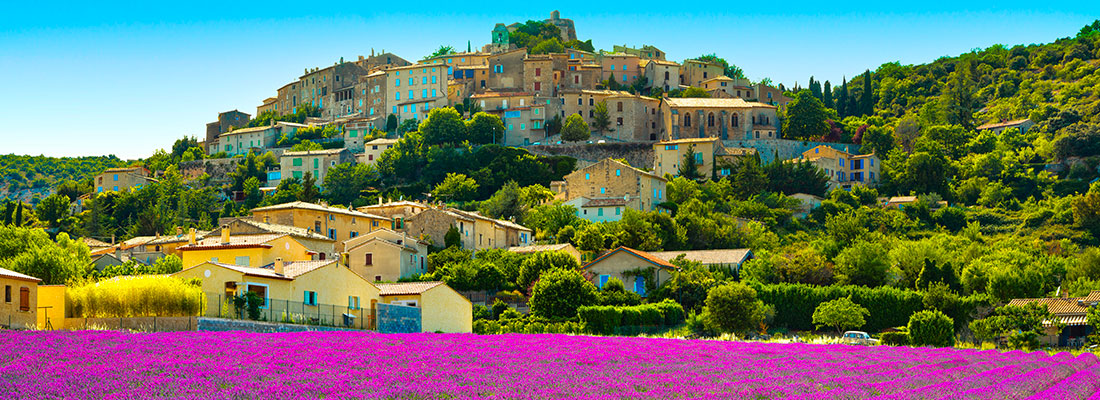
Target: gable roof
x=540, y=248
x=235, y=242
x=317, y=207
x=295, y=269
x=94, y=243
x=636, y=253
x=7, y=273
x=613, y=161
x=708, y=257
x=322, y=152
x=405, y=288
x=605, y=202
x=183, y=237
x=1006, y=124
x=249, y=271
x=271, y=228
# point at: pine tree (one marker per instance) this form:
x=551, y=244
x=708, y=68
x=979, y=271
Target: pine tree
x=815, y=88
x=19, y=214
x=9, y=208
x=827, y=96
x=867, y=102
x=842, y=100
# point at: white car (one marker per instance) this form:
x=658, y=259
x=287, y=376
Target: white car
x=858, y=337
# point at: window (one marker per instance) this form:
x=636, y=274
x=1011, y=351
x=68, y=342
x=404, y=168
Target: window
x=618, y=172
x=587, y=176
x=7, y=293
x=433, y=92
x=576, y=80
x=369, y=260
x=699, y=158
x=353, y=302
x=396, y=96
x=734, y=120
x=603, y=190
x=591, y=101
x=599, y=212
x=538, y=71
x=298, y=161
x=620, y=106
x=412, y=81
x=411, y=95
x=397, y=82
x=116, y=177
x=639, y=285
x=603, y=280
x=24, y=299
x=309, y=298
x=538, y=86
x=687, y=120
x=612, y=67
x=297, y=174
x=841, y=161
x=424, y=93
x=259, y=290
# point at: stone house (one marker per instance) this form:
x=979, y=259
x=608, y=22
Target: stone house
x=506, y=70
x=609, y=178
x=19, y=308
x=997, y=127
x=337, y=223
x=844, y=169
x=725, y=118
x=371, y=102
x=522, y=113
x=581, y=75
x=770, y=96
x=646, y=52
x=316, y=162
x=539, y=76
x=712, y=157
x=695, y=72
x=385, y=255
x=270, y=104
x=373, y=150
x=624, y=67
x=116, y=179
x=724, y=86
x=606, y=209
x=312, y=241
x=664, y=75
x=286, y=99
x=627, y=265
x=259, y=138
x=540, y=248
x=414, y=90
x=431, y=223
x=226, y=122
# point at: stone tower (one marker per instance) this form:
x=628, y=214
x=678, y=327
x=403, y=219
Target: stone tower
x=500, y=35
x=568, y=32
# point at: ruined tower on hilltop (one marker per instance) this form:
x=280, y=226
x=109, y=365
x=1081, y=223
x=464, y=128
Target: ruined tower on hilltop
x=568, y=32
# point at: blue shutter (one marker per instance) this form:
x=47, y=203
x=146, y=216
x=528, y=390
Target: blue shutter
x=639, y=285
x=305, y=297
x=603, y=280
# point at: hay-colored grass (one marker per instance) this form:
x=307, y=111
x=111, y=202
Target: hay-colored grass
x=136, y=296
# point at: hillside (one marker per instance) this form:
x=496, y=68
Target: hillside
x=24, y=176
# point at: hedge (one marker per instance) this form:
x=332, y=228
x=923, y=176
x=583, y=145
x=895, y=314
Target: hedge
x=136, y=296
x=795, y=304
x=492, y=327
x=607, y=320
x=895, y=338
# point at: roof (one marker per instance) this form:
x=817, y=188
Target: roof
x=605, y=202
x=734, y=151
x=903, y=199
x=595, y=92
x=637, y=253
x=610, y=160
x=713, y=103
x=326, y=152
x=317, y=207
x=1063, y=307
x=298, y=268
x=183, y=237
x=719, y=78
x=278, y=229
x=664, y=62
x=707, y=257
x=688, y=140
x=539, y=248
x=136, y=241
x=395, y=289
x=251, y=271
x=383, y=141
x=1005, y=124
x=124, y=169
x=235, y=242
x=94, y=243
x=400, y=203
x=500, y=94
x=7, y=273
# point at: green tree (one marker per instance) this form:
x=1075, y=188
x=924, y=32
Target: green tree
x=309, y=193
x=733, y=307
x=456, y=187
x=601, y=120
x=535, y=265
x=931, y=328
x=453, y=238
x=688, y=168
x=506, y=203
x=575, y=129
x=344, y=183
x=441, y=51
x=840, y=314
x=1086, y=210
x=959, y=100
x=485, y=128
x=867, y=98
x=443, y=126
x=827, y=96
x=842, y=100
x=559, y=292
x=806, y=117
x=391, y=123
x=694, y=92
x=53, y=210
x=863, y=263
x=306, y=145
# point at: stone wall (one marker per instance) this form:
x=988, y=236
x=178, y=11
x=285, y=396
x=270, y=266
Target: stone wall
x=637, y=154
x=783, y=149
x=217, y=168
x=228, y=325
x=393, y=318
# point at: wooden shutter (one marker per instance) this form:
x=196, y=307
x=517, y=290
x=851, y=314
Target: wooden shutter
x=370, y=259
x=24, y=299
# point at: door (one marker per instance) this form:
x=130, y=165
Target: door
x=639, y=285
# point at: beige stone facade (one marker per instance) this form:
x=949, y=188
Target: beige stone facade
x=609, y=178
x=334, y=222
x=664, y=75
x=624, y=67
x=725, y=118
x=695, y=72
x=539, y=76
x=844, y=169
x=385, y=255
x=414, y=90
x=645, y=52
x=506, y=70
x=295, y=164
x=373, y=150
x=724, y=86
x=116, y=179
x=431, y=223
x=619, y=262
x=19, y=306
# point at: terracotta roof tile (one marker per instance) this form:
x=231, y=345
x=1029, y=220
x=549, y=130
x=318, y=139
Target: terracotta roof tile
x=295, y=269
x=637, y=253
x=235, y=242
x=7, y=273
x=395, y=289
x=707, y=257
x=317, y=207
x=539, y=248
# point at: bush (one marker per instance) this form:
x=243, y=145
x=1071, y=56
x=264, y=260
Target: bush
x=795, y=303
x=931, y=328
x=607, y=320
x=559, y=292
x=136, y=296
x=490, y=327
x=733, y=307
x=895, y=338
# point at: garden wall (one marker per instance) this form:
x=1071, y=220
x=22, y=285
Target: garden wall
x=393, y=318
x=143, y=324
x=227, y=325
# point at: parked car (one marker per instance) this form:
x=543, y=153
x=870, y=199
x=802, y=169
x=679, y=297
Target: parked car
x=857, y=337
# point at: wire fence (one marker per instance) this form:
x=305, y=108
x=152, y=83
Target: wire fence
x=352, y=316
x=487, y=298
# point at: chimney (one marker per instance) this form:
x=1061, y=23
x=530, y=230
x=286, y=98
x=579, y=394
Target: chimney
x=280, y=267
x=225, y=234
x=179, y=231
x=191, y=236
x=267, y=219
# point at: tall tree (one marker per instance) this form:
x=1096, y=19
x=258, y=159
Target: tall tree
x=688, y=167
x=958, y=97
x=601, y=119
x=806, y=117
x=867, y=99
x=827, y=96
x=575, y=129
x=842, y=100
x=815, y=88
x=309, y=192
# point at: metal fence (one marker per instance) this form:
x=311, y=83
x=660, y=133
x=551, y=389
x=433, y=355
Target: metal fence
x=292, y=312
x=487, y=299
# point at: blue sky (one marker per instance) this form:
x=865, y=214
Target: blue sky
x=112, y=79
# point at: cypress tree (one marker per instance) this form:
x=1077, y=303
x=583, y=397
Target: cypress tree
x=842, y=100
x=815, y=88
x=867, y=106
x=19, y=214
x=827, y=96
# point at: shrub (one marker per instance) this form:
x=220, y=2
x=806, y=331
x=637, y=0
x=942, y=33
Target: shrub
x=559, y=292
x=888, y=306
x=841, y=313
x=931, y=328
x=136, y=296
x=895, y=338
x=606, y=320
x=672, y=311
x=734, y=308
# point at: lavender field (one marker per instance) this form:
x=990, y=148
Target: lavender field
x=113, y=365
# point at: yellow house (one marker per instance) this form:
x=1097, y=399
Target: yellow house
x=385, y=255
x=19, y=308
x=245, y=250
x=844, y=169
x=246, y=226
x=335, y=222
x=298, y=290
x=619, y=263
x=711, y=156
x=441, y=308
x=116, y=179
